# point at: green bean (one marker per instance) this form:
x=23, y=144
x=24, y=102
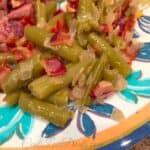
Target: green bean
x=84, y=18
x=85, y=9
x=68, y=18
x=50, y=8
x=5, y=57
x=40, y=13
x=22, y=74
x=36, y=35
x=56, y=115
x=46, y=54
x=101, y=8
x=53, y=84
x=93, y=78
x=59, y=98
x=70, y=53
x=110, y=75
x=118, y=42
x=83, y=78
x=82, y=32
x=12, y=98
x=49, y=85
x=115, y=58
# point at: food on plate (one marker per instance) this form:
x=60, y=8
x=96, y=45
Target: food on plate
x=51, y=57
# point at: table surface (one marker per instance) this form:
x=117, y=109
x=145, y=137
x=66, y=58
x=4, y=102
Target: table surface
x=142, y=145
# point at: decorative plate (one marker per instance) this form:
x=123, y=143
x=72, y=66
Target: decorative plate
x=100, y=126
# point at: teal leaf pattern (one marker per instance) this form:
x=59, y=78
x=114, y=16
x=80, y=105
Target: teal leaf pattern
x=12, y=120
x=135, y=87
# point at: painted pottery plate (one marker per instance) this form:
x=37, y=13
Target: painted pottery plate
x=117, y=124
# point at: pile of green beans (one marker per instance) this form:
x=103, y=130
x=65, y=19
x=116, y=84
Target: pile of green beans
x=57, y=115
x=47, y=96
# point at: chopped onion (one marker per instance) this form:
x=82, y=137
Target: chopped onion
x=53, y=66
x=76, y=93
x=25, y=71
x=73, y=29
x=120, y=83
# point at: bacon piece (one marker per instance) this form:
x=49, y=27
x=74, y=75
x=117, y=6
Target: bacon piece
x=102, y=90
x=21, y=12
x=72, y=6
x=61, y=38
x=53, y=66
x=13, y=29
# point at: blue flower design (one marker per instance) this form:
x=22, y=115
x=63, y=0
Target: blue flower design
x=136, y=87
x=135, y=34
x=12, y=120
x=85, y=124
x=144, y=53
x=144, y=24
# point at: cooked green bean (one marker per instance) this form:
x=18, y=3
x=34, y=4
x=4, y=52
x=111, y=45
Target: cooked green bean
x=70, y=53
x=59, y=98
x=84, y=18
x=50, y=8
x=118, y=42
x=56, y=115
x=46, y=53
x=5, y=57
x=115, y=58
x=36, y=35
x=101, y=9
x=85, y=9
x=82, y=32
x=52, y=84
x=22, y=74
x=49, y=85
x=12, y=98
x=68, y=18
x=110, y=75
x=40, y=13
x=93, y=78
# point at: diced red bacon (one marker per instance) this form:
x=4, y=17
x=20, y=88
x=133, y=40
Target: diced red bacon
x=126, y=25
x=61, y=34
x=120, y=12
x=104, y=28
x=72, y=6
x=3, y=4
x=129, y=55
x=102, y=90
x=61, y=38
x=10, y=28
x=59, y=11
x=28, y=21
x=20, y=53
x=53, y=66
x=59, y=27
x=24, y=11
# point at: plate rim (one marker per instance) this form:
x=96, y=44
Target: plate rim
x=103, y=138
